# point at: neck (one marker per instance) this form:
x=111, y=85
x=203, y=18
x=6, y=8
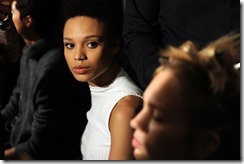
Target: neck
x=106, y=77
x=31, y=38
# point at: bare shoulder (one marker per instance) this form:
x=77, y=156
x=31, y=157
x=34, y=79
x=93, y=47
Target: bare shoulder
x=119, y=126
x=127, y=107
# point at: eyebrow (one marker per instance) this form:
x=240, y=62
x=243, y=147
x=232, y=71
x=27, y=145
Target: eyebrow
x=155, y=107
x=87, y=37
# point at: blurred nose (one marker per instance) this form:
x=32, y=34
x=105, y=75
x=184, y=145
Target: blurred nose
x=141, y=120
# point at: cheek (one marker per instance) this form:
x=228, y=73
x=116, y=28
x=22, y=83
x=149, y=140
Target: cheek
x=167, y=144
x=71, y=63
x=18, y=24
x=15, y=21
x=156, y=143
x=100, y=62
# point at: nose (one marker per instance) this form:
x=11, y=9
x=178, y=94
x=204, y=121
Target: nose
x=141, y=120
x=80, y=55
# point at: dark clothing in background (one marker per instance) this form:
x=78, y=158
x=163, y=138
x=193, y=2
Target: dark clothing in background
x=10, y=52
x=153, y=24
x=46, y=114
x=8, y=77
x=2, y=137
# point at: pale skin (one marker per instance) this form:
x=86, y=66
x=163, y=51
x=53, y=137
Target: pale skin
x=162, y=127
x=91, y=58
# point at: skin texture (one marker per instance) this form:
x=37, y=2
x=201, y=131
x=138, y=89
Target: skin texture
x=91, y=59
x=161, y=128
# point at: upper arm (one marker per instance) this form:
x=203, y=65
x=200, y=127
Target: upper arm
x=121, y=132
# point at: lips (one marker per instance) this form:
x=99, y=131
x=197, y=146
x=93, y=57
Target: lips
x=80, y=69
x=136, y=143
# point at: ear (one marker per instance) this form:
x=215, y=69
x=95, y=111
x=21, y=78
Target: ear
x=207, y=143
x=28, y=21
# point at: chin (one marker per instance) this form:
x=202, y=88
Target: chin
x=139, y=155
x=80, y=78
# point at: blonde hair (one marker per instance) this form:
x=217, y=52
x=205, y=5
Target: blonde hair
x=209, y=84
x=217, y=59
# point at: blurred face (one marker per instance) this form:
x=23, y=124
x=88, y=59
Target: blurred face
x=86, y=50
x=161, y=127
x=18, y=23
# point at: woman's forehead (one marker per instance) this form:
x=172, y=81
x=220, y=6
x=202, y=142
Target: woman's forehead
x=162, y=88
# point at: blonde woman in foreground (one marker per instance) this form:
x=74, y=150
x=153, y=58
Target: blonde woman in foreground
x=191, y=108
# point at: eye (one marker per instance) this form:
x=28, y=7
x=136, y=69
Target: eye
x=92, y=45
x=69, y=45
x=157, y=117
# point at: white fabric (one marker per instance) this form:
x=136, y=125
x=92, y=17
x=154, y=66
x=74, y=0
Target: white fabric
x=95, y=143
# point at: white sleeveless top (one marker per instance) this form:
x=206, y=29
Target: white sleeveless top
x=95, y=142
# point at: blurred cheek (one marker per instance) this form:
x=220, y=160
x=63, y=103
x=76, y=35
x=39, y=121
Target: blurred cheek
x=154, y=144
x=17, y=24
x=167, y=145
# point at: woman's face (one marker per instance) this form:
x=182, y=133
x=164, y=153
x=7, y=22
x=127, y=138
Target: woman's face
x=86, y=49
x=161, y=127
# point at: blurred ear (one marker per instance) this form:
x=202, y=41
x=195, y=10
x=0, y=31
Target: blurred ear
x=207, y=144
x=28, y=21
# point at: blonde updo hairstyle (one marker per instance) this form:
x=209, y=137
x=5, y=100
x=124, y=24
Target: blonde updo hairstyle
x=209, y=84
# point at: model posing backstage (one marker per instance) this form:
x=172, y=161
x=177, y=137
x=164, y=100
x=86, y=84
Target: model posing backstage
x=92, y=31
